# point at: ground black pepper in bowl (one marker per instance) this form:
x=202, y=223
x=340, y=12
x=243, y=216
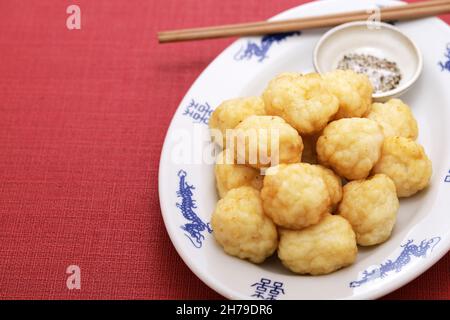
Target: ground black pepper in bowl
x=384, y=74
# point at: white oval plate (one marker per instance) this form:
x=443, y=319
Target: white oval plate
x=187, y=187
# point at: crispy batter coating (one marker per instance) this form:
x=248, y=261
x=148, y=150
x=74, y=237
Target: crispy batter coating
x=353, y=90
x=395, y=119
x=230, y=175
x=350, y=146
x=295, y=196
x=333, y=183
x=232, y=112
x=406, y=163
x=318, y=249
x=371, y=208
x=263, y=141
x=241, y=227
x=302, y=100
x=329, y=124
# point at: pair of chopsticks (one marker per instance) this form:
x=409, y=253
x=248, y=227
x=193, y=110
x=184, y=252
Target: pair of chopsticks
x=400, y=12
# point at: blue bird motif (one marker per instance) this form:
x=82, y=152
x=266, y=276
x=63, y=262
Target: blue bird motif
x=446, y=64
x=194, y=229
x=260, y=50
x=409, y=250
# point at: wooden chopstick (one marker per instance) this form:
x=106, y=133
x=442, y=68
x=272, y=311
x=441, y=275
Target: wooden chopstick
x=401, y=12
x=396, y=8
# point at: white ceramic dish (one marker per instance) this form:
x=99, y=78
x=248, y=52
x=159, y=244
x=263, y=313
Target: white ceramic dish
x=375, y=38
x=422, y=233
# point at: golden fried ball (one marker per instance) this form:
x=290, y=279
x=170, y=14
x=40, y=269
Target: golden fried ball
x=406, y=163
x=371, y=208
x=350, y=146
x=241, y=228
x=302, y=100
x=318, y=249
x=353, y=90
x=232, y=112
x=395, y=119
x=295, y=196
x=230, y=175
x=333, y=183
x=263, y=141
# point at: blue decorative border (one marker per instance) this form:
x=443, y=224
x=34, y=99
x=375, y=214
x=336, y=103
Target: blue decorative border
x=445, y=65
x=447, y=177
x=409, y=250
x=267, y=289
x=195, y=228
x=199, y=112
x=261, y=49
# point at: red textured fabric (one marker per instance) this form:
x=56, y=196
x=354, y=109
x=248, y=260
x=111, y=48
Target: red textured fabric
x=83, y=116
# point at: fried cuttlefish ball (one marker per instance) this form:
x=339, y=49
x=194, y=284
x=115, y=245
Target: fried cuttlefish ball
x=353, y=90
x=350, y=147
x=232, y=112
x=262, y=141
x=395, y=119
x=302, y=100
x=371, y=208
x=295, y=196
x=333, y=184
x=230, y=175
x=241, y=227
x=318, y=249
x=406, y=163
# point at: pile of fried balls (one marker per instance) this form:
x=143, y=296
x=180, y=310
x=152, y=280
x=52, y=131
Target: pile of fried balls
x=343, y=162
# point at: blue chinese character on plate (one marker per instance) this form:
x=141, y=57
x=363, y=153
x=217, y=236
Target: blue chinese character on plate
x=267, y=289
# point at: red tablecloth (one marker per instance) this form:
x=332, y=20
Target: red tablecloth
x=83, y=115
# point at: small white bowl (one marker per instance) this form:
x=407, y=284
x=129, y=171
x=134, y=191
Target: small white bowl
x=379, y=39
